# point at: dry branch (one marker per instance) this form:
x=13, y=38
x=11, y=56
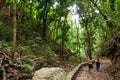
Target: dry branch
x=10, y=67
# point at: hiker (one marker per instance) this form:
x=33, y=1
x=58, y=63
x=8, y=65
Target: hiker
x=90, y=66
x=97, y=64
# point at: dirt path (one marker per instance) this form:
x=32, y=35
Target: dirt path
x=94, y=75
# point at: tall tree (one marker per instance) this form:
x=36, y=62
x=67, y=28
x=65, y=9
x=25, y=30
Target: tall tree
x=78, y=38
x=14, y=26
x=31, y=12
x=44, y=20
x=86, y=16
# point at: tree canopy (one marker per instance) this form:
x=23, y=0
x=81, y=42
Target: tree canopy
x=79, y=27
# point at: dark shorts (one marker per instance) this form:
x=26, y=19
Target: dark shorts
x=90, y=66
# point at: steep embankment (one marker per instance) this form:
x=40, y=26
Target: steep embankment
x=112, y=49
x=33, y=52
x=30, y=57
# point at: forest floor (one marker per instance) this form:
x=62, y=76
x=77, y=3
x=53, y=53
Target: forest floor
x=103, y=74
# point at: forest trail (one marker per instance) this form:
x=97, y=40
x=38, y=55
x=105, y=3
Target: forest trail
x=103, y=74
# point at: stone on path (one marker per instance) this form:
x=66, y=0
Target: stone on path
x=50, y=74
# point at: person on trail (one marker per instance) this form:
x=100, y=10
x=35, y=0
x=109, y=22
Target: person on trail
x=90, y=66
x=97, y=64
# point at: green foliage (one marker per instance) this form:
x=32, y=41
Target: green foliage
x=23, y=48
x=28, y=58
x=59, y=26
x=5, y=33
x=49, y=53
x=27, y=67
x=8, y=2
x=117, y=6
x=4, y=43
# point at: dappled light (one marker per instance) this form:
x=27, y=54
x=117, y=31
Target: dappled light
x=78, y=38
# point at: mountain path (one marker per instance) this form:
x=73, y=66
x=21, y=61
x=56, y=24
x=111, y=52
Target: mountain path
x=103, y=74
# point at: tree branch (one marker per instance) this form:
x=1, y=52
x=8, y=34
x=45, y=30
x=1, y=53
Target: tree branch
x=103, y=15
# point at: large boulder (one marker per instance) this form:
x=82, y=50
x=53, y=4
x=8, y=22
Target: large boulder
x=50, y=74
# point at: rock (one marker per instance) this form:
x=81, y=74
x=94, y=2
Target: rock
x=50, y=74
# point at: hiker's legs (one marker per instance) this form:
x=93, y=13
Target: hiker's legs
x=97, y=67
x=90, y=67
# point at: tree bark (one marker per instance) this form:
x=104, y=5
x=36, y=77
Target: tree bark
x=78, y=41
x=31, y=13
x=2, y=2
x=14, y=27
x=44, y=27
x=88, y=47
x=4, y=74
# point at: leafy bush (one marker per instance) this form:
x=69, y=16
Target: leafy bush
x=6, y=33
x=4, y=43
x=23, y=48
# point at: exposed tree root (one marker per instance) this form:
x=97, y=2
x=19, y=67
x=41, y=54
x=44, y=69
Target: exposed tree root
x=11, y=68
x=112, y=50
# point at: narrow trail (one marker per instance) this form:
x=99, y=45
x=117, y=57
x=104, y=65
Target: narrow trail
x=103, y=74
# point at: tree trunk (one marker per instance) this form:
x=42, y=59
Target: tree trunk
x=58, y=25
x=4, y=74
x=63, y=38
x=88, y=47
x=61, y=52
x=78, y=41
x=44, y=27
x=31, y=13
x=2, y=2
x=20, y=19
x=14, y=27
